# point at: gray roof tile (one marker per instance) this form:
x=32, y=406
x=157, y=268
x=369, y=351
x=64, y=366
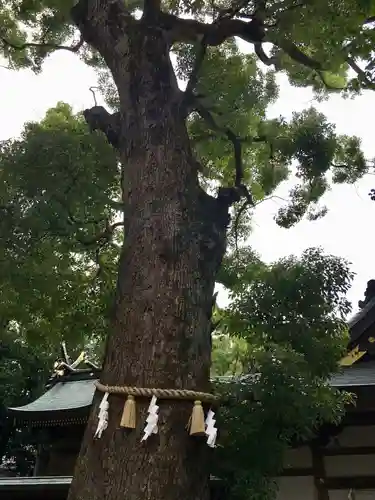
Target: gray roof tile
x=361, y=374
x=35, y=481
x=62, y=396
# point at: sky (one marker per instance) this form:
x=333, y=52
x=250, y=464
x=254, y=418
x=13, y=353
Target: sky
x=344, y=231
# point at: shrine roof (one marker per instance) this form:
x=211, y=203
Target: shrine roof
x=35, y=481
x=65, y=397
x=51, y=487
x=357, y=375
x=34, y=488
x=362, y=321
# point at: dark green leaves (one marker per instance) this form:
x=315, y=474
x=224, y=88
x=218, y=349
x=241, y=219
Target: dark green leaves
x=291, y=316
x=58, y=188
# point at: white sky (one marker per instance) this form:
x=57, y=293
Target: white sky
x=343, y=231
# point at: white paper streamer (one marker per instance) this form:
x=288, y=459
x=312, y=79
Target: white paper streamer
x=152, y=420
x=103, y=416
x=211, y=430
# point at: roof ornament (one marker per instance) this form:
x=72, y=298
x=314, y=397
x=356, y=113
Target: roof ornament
x=65, y=366
x=369, y=294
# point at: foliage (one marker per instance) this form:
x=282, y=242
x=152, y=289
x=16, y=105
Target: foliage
x=306, y=147
x=229, y=355
x=328, y=32
x=24, y=370
x=57, y=266
x=291, y=315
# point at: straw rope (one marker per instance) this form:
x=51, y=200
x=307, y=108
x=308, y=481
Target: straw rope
x=176, y=394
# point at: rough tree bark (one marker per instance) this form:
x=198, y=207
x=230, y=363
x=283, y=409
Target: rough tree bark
x=174, y=243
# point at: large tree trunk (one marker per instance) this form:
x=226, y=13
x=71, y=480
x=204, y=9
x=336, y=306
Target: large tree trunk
x=174, y=243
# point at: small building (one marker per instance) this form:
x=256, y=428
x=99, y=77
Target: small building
x=58, y=418
x=338, y=465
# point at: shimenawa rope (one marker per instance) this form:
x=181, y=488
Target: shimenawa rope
x=196, y=421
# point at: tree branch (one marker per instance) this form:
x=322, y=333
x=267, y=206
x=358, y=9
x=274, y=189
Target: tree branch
x=253, y=31
x=263, y=57
x=241, y=210
x=235, y=9
x=151, y=8
x=237, y=146
x=297, y=55
x=116, y=205
x=239, y=190
x=192, y=31
x=92, y=90
x=274, y=10
x=361, y=74
x=193, y=79
x=201, y=53
x=98, y=118
x=248, y=139
x=105, y=235
x=23, y=46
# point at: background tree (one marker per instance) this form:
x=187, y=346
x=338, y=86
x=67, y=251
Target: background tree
x=175, y=232
x=291, y=315
x=23, y=373
x=58, y=251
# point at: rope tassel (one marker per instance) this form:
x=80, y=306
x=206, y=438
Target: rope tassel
x=128, y=415
x=197, y=425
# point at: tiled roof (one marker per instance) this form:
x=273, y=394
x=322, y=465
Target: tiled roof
x=357, y=375
x=62, y=396
x=35, y=481
x=362, y=320
x=44, y=483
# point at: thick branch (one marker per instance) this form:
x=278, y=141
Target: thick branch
x=116, y=205
x=46, y=45
x=192, y=31
x=268, y=61
x=253, y=31
x=151, y=8
x=297, y=55
x=237, y=147
x=201, y=52
x=105, y=235
x=193, y=79
x=239, y=190
x=98, y=118
x=361, y=74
